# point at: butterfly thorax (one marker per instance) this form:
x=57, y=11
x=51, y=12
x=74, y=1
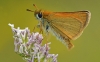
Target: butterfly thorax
x=42, y=17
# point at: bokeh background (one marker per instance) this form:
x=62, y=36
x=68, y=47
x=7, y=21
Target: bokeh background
x=87, y=46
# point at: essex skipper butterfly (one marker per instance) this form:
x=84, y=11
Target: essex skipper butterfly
x=65, y=26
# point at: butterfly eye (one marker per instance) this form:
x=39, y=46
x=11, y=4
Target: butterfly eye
x=40, y=15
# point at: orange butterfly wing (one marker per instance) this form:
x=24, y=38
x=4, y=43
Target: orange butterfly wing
x=70, y=24
x=67, y=25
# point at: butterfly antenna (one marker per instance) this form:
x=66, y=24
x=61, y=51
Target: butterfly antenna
x=35, y=6
x=29, y=10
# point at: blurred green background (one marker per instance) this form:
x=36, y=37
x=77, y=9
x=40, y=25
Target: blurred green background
x=87, y=46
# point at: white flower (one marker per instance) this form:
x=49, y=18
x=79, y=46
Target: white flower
x=28, y=45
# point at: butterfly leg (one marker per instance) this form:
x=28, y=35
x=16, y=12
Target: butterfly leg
x=47, y=28
x=41, y=30
x=40, y=26
x=48, y=36
x=34, y=29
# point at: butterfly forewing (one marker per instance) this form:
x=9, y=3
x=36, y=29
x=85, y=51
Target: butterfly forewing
x=70, y=28
x=68, y=24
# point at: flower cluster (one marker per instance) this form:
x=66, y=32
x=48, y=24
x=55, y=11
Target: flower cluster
x=29, y=46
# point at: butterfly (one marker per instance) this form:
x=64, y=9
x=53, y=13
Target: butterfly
x=66, y=26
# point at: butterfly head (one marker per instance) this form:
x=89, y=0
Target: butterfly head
x=37, y=12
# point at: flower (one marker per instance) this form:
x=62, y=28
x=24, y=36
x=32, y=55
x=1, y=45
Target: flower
x=29, y=46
